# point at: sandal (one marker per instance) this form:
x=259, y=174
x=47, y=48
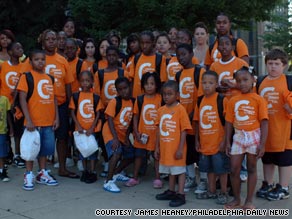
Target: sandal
x=157, y=184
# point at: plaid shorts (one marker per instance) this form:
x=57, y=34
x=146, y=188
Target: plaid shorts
x=245, y=142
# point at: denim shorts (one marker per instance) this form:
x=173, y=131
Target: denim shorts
x=47, y=137
x=139, y=152
x=3, y=146
x=217, y=163
x=126, y=151
x=62, y=132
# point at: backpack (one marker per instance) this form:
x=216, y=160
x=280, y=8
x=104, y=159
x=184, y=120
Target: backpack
x=197, y=71
x=119, y=104
x=234, y=45
x=95, y=66
x=101, y=75
x=30, y=84
x=78, y=67
x=158, y=60
x=220, y=99
x=140, y=101
x=76, y=98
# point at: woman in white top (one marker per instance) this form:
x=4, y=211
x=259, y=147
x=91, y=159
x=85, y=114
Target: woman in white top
x=201, y=36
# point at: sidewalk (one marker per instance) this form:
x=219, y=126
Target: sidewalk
x=74, y=199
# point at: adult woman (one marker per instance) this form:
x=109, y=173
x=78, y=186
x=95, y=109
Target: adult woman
x=201, y=36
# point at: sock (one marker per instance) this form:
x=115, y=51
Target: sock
x=105, y=168
x=191, y=171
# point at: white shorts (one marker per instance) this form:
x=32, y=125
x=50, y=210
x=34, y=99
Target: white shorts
x=172, y=170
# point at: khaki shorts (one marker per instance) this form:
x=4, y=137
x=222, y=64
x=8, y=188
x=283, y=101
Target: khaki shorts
x=172, y=170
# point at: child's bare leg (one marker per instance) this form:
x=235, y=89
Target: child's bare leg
x=223, y=183
x=112, y=165
x=123, y=164
x=92, y=166
x=171, y=182
x=42, y=162
x=212, y=182
x=181, y=183
x=156, y=166
x=269, y=170
x=137, y=165
x=29, y=165
x=251, y=180
x=84, y=164
x=284, y=175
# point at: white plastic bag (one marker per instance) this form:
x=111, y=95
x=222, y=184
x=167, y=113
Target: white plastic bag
x=87, y=145
x=30, y=144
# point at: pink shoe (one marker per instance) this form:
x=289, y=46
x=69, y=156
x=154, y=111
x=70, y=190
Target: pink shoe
x=132, y=182
x=157, y=184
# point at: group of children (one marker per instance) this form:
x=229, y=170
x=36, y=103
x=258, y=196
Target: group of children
x=213, y=118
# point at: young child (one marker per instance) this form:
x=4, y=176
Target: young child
x=42, y=100
x=116, y=132
x=172, y=123
x=209, y=133
x=147, y=61
x=163, y=45
x=145, y=113
x=133, y=48
x=10, y=74
x=188, y=97
x=247, y=113
x=5, y=118
x=226, y=66
x=278, y=148
x=85, y=116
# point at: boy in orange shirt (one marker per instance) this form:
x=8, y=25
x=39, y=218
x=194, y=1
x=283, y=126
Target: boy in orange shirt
x=209, y=133
x=116, y=132
x=278, y=148
x=42, y=100
x=172, y=123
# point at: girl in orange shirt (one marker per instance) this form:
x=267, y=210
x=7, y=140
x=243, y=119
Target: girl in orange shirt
x=133, y=48
x=145, y=113
x=248, y=114
x=88, y=53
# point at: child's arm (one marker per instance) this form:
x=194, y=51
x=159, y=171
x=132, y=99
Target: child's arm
x=22, y=99
x=228, y=135
x=9, y=121
x=197, y=137
x=135, y=127
x=157, y=144
x=116, y=142
x=57, y=120
x=77, y=124
x=179, y=152
x=91, y=130
x=264, y=134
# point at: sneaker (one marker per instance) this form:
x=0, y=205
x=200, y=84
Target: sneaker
x=157, y=184
x=91, y=178
x=206, y=195
x=132, y=182
x=179, y=200
x=84, y=176
x=120, y=177
x=202, y=187
x=243, y=177
x=190, y=183
x=222, y=199
x=44, y=177
x=69, y=163
x=166, y=195
x=110, y=186
x=3, y=176
x=264, y=190
x=277, y=193
x=28, y=183
x=19, y=162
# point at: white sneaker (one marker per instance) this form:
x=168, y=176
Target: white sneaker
x=80, y=165
x=120, y=177
x=110, y=186
x=44, y=177
x=243, y=177
x=28, y=183
x=69, y=163
x=202, y=187
x=190, y=183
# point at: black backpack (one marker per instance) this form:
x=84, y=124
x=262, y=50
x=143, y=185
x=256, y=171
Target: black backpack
x=197, y=71
x=220, y=109
x=76, y=95
x=101, y=75
x=78, y=67
x=158, y=60
x=234, y=45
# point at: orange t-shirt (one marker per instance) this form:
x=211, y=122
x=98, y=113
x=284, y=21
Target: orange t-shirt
x=121, y=122
x=85, y=113
x=173, y=67
x=226, y=70
x=246, y=111
x=58, y=67
x=75, y=85
x=41, y=105
x=279, y=123
x=171, y=121
x=241, y=48
x=10, y=75
x=130, y=62
x=211, y=131
x=146, y=124
x=88, y=65
x=143, y=65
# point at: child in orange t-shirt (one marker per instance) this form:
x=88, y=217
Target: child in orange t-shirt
x=209, y=129
x=172, y=123
x=278, y=148
x=85, y=117
x=133, y=48
x=116, y=133
x=42, y=100
x=163, y=45
x=247, y=113
x=145, y=113
x=10, y=74
x=146, y=62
